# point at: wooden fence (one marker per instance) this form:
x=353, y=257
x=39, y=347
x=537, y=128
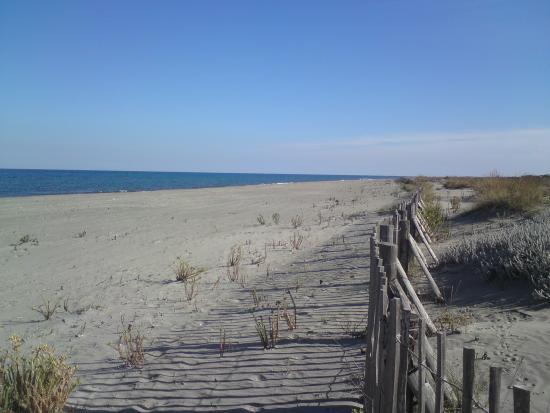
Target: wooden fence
x=402, y=370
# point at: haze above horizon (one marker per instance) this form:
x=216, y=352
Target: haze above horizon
x=314, y=87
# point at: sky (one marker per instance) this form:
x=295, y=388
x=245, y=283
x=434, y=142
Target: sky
x=336, y=87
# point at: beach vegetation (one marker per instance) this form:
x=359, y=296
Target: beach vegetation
x=39, y=383
x=130, y=346
x=261, y=220
x=276, y=218
x=47, y=309
x=184, y=270
x=296, y=221
x=515, y=252
x=455, y=204
x=235, y=255
x=191, y=286
x=296, y=241
x=81, y=234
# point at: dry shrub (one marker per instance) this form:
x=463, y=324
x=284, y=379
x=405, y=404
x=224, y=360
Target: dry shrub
x=455, y=204
x=39, y=383
x=516, y=194
x=191, y=287
x=235, y=255
x=261, y=219
x=47, y=308
x=451, y=320
x=296, y=221
x=185, y=271
x=296, y=241
x=459, y=182
x=276, y=218
x=130, y=346
x=517, y=252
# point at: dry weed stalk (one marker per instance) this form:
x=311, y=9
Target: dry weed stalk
x=296, y=241
x=191, y=286
x=47, y=308
x=276, y=218
x=130, y=346
x=296, y=221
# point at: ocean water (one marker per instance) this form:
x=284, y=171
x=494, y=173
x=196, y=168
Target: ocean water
x=26, y=182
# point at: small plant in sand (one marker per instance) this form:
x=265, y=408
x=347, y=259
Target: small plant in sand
x=296, y=221
x=296, y=241
x=191, y=286
x=455, y=204
x=130, y=346
x=47, y=308
x=291, y=319
x=268, y=334
x=184, y=270
x=81, y=234
x=258, y=298
x=39, y=383
x=276, y=218
x=451, y=320
x=261, y=219
x=355, y=329
x=320, y=217
x=235, y=255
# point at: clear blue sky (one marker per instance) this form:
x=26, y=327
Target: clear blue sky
x=368, y=87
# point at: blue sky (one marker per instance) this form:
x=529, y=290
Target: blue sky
x=366, y=87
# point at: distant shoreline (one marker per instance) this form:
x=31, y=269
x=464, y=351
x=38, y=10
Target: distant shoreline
x=40, y=182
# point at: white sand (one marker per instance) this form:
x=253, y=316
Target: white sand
x=122, y=267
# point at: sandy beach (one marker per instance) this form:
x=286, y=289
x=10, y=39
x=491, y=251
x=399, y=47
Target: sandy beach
x=109, y=259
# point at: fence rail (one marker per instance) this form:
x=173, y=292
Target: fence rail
x=402, y=370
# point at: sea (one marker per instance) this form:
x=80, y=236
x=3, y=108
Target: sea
x=31, y=182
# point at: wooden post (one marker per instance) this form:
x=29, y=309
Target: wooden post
x=388, y=254
x=403, y=362
x=393, y=354
x=440, y=379
x=495, y=376
x=434, y=286
x=403, y=243
x=522, y=400
x=421, y=362
x=468, y=374
x=386, y=233
x=370, y=365
x=382, y=313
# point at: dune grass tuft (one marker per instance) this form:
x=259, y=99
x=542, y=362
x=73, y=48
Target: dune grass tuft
x=184, y=271
x=130, y=346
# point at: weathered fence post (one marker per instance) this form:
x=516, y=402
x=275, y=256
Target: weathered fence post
x=393, y=355
x=522, y=400
x=468, y=373
x=440, y=379
x=495, y=375
x=403, y=244
x=388, y=254
x=403, y=362
x=421, y=361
